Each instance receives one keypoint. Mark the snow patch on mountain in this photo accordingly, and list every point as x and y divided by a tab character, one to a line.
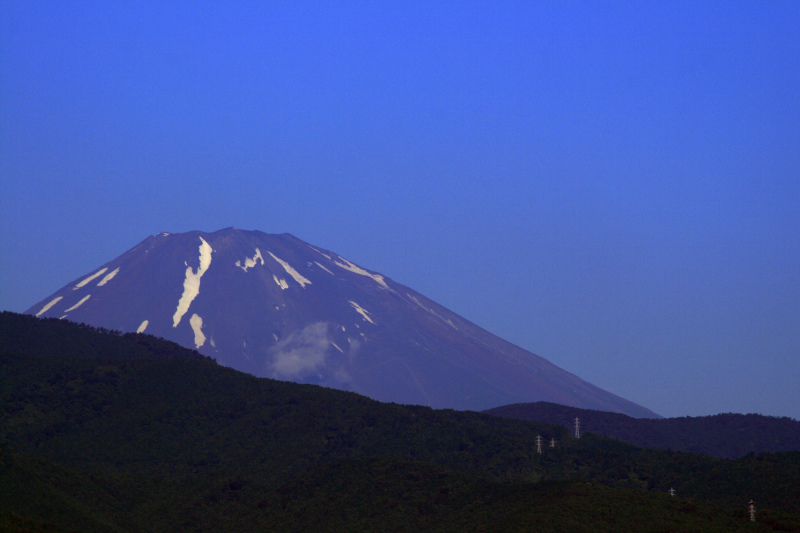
323	268
320	253
361	311
191	285
347	265
142	326
90	278
250	262
197	326
77	305
108	277
291	271
50	304
281	282
434	313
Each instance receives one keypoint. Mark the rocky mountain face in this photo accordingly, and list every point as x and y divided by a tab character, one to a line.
275	306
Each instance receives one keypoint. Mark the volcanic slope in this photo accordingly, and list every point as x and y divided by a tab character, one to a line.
275	306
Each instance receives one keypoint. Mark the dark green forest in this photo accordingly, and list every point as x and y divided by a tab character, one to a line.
728	435
109	432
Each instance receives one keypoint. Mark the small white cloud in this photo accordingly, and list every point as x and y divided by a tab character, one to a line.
302	352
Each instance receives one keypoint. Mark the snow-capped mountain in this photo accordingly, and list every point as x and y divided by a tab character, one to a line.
275	306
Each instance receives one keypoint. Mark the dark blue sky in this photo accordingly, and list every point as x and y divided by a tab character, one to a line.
613	186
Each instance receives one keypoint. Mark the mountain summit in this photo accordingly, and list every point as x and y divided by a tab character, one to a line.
275	306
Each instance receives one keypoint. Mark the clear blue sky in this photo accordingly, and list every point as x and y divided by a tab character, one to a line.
613	186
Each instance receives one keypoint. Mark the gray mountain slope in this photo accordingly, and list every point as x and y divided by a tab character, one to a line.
275	306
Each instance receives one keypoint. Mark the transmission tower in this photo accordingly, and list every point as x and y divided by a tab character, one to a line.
577	427
539	444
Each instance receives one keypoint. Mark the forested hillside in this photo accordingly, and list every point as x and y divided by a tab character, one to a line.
129	433
725	435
